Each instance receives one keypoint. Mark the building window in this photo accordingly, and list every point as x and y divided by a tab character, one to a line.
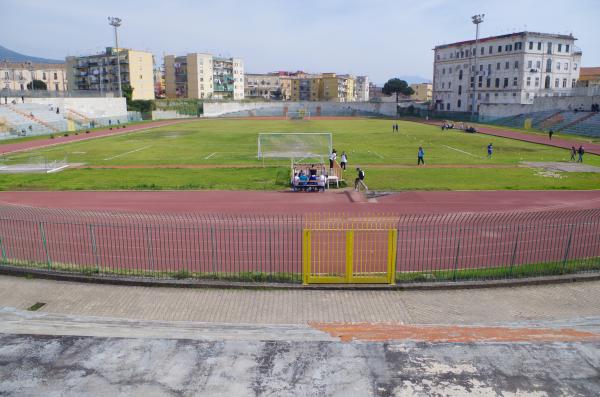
537	81
557	65
488	83
498	66
43	75
460	74
538	64
444	71
56	87
528	82
564	83
549	66
531	45
497	83
448	106
505	82
549	49
6	75
460	90
515	81
55	76
472	82
566	65
574	66
516	64
547	82
499	48
458	104
481	68
22	87
567	48
539	45
506	65
442	84
559	47
572	83
489	68
490	49
480	83
529	64
482	50
556	83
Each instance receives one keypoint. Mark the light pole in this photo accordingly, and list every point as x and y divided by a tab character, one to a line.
477	19
116	22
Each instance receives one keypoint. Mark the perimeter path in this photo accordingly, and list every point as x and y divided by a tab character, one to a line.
237	202
60	140
592	148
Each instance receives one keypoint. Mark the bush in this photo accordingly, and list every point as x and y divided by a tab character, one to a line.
52	136
65	134
87	131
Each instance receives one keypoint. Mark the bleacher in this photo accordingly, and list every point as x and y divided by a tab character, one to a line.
568	122
30	119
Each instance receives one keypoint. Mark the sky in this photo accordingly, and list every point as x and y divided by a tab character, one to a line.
378	38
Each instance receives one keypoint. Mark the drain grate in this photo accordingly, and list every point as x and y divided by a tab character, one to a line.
36	306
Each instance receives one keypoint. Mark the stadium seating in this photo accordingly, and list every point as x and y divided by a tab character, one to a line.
569	122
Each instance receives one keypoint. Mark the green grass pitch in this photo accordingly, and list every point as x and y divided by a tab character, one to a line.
221	154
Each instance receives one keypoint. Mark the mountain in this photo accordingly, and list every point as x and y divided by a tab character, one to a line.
6	54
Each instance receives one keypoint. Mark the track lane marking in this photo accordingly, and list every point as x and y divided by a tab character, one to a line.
129	152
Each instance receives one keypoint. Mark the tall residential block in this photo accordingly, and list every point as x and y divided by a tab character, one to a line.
511	68
198	75
323	87
99	73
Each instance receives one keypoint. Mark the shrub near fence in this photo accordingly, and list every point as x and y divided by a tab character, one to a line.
271	248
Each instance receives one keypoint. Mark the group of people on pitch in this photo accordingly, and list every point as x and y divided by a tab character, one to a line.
360	178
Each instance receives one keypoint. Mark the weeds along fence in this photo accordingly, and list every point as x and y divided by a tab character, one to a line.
286	248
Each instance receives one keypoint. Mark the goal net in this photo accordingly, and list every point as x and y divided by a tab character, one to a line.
294	145
301	114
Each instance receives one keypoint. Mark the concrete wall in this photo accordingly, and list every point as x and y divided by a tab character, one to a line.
217	109
540	104
168	114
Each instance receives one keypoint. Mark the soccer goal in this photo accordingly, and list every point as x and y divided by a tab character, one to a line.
302	114
295	145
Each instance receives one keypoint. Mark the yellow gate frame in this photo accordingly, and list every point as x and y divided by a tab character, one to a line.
349	278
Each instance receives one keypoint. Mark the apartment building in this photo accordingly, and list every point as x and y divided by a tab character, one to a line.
267	86
361	89
15	76
200	75
323	87
589	77
511	68
423	92
99	72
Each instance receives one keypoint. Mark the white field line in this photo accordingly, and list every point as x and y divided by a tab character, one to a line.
57	169
210	155
377	154
462	151
129	152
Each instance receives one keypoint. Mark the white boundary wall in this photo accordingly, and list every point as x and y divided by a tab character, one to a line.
218	109
540	104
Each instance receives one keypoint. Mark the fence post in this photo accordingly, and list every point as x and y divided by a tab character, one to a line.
94	247
212	248
514	255
149	245
349	254
3	251
305	256
392	254
457	254
568	248
43	233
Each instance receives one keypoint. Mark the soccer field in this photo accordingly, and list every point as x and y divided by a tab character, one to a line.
222	154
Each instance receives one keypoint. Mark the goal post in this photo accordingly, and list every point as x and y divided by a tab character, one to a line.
295	145
302	114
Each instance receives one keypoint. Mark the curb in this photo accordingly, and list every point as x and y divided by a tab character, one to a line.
194	283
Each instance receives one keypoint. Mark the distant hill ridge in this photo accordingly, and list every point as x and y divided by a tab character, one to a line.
12	56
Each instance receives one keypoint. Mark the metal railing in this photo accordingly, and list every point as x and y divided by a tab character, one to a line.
447	247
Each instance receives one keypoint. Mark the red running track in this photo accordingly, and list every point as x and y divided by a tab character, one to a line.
60	139
589	147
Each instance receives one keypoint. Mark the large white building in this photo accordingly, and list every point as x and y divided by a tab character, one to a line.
361	89
512	68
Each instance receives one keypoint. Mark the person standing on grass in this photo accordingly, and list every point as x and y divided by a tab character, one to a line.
573	153
581	152
360	179
344	161
332	158
550	133
490	150
421	156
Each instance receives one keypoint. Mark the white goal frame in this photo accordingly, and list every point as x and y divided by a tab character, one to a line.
301	145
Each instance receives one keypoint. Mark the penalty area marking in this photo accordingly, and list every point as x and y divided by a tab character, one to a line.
210	155
129	152
462	151
377	154
57	169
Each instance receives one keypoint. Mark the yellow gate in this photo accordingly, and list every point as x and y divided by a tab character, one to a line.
349	255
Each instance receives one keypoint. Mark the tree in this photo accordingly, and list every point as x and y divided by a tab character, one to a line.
127	93
397	86
37	85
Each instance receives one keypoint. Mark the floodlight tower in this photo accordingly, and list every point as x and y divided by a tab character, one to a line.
116	22
477	19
